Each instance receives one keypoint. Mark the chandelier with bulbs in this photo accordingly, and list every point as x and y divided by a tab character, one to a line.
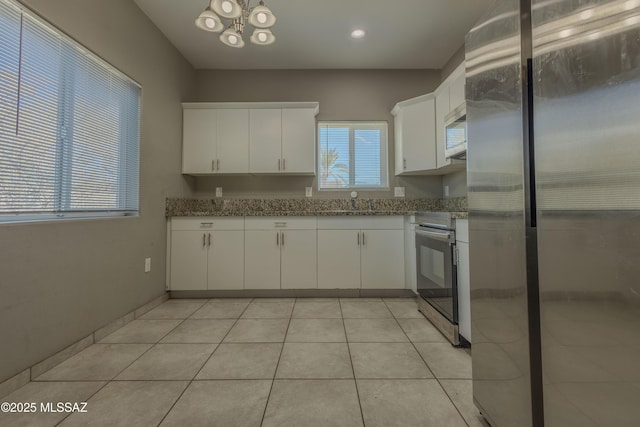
240	13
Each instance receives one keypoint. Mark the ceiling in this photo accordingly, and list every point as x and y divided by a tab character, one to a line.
315	34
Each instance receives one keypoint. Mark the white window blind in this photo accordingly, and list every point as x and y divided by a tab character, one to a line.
70	126
352	155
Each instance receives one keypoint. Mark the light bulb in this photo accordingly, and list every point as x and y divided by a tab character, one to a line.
261	17
227	6
358	34
233	39
209	22
262	37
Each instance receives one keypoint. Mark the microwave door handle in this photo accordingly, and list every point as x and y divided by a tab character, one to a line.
445	236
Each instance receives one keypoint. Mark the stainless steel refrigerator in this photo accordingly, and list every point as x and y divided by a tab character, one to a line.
553	110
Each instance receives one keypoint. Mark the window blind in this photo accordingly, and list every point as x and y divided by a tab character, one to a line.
352	155
69	131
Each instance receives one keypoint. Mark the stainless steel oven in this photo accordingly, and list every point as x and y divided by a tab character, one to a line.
436	268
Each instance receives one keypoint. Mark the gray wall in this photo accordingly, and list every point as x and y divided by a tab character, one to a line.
457	183
453	62
343	95
59	281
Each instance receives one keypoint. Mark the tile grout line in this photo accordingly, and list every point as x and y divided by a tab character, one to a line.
206	361
355	381
273	380
107	382
427	365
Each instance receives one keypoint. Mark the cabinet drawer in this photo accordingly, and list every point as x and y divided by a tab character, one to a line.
208	223
361	223
281	222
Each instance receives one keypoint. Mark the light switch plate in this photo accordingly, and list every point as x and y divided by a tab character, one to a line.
147	265
398	191
446	191
218	191
308	191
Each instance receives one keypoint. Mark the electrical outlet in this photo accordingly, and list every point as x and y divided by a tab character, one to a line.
147	265
218	191
398	191
308	191
446	191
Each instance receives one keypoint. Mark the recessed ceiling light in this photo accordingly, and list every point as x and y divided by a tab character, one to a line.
358	34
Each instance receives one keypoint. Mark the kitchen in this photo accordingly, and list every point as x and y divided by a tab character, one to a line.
67	280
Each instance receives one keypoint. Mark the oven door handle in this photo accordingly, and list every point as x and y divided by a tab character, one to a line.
445	236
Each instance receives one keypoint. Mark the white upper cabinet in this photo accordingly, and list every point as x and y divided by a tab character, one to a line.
299	140
265	140
420	137
199	141
241	138
233	141
457	88
415	130
282	141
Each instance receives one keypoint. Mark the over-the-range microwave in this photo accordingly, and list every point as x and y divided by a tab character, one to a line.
456	133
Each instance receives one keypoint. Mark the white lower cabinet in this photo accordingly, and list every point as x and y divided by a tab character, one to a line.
338	259
287	253
188	260
363	253
464	281
382	259
207	253
298	259
280	253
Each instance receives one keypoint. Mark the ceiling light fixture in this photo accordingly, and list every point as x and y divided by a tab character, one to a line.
358	34
240	13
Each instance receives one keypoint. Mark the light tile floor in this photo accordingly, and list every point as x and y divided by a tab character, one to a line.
264	362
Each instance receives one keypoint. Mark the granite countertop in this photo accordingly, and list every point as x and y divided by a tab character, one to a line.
313	207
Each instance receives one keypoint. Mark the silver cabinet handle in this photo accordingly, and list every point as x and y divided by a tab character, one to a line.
279	164
404	163
358	238
279	224
204	239
277	239
438	235
209	239
213	165
284	164
282	239
363	238
206	224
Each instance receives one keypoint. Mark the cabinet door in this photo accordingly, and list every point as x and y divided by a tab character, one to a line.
298	140
265	140
419	136
188	261
199	135
397	143
298	259
233	141
262	259
226	260
464	291
457	95
338	259
382	259
442	109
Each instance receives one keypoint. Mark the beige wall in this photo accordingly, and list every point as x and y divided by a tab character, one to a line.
59	281
343	95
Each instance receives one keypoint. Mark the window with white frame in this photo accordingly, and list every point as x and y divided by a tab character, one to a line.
352	155
69	126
